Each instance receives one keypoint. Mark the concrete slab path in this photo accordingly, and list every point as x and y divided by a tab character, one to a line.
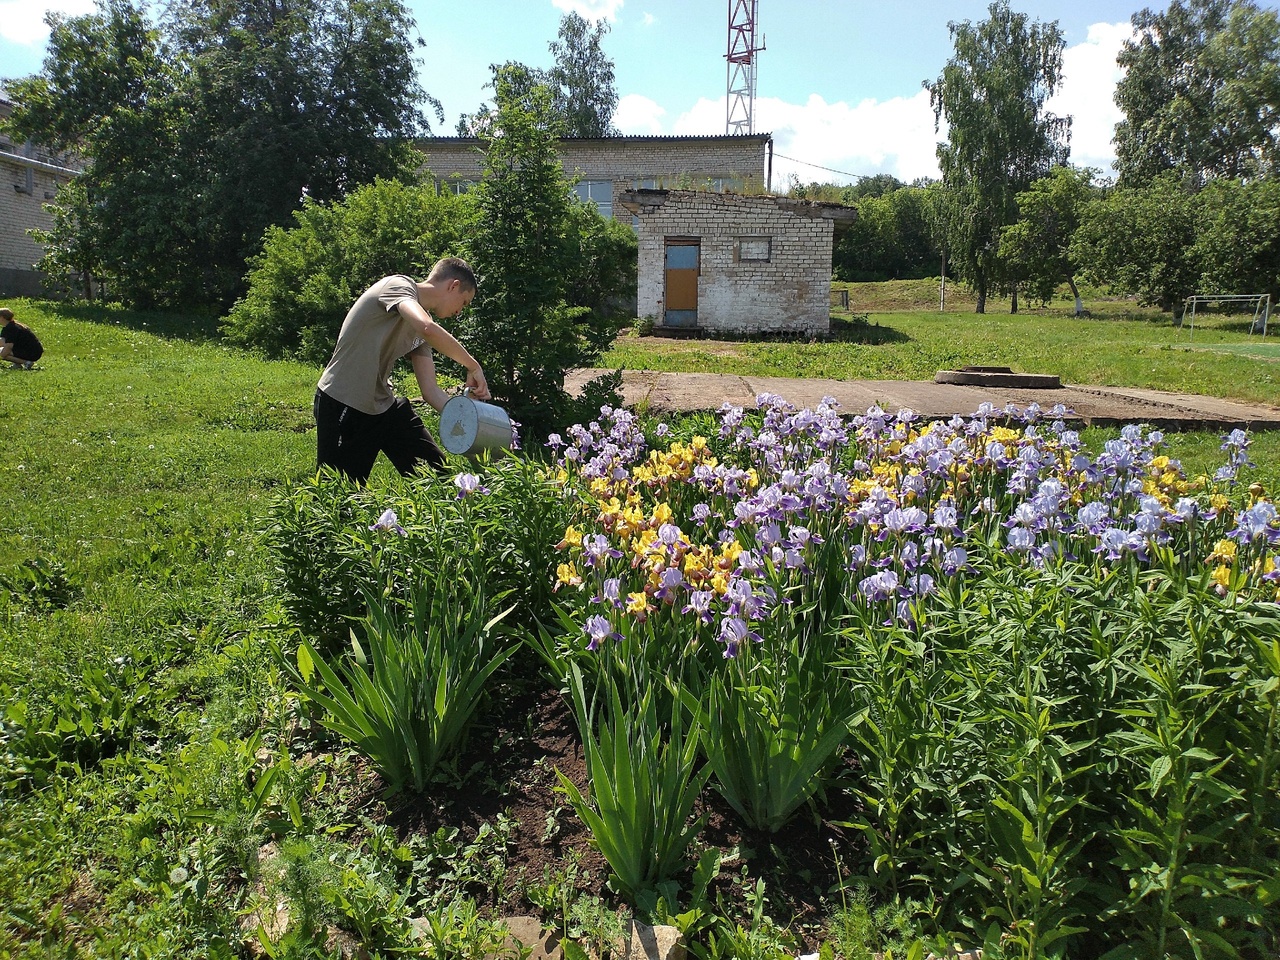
1092	406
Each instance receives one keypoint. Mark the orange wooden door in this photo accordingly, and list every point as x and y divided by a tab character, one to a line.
683	262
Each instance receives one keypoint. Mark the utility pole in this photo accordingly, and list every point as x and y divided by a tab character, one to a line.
740	87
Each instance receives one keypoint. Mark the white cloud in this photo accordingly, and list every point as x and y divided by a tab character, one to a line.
590	9
894	136
648	20
832	142
1089	77
637	115
22	22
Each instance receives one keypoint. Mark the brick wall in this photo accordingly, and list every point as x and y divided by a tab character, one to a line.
790	293
19	212
36	173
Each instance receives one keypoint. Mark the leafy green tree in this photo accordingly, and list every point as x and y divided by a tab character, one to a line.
1140	240
1238	241
521	79
580	82
1039	244
602	275
1201	93
520	325
890	240
102	95
992	94
202	131
874	186
582	79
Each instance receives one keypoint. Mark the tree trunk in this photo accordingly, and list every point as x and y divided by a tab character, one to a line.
981	287
1071	282
1013	303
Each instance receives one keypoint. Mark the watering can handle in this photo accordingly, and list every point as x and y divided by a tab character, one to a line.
466	391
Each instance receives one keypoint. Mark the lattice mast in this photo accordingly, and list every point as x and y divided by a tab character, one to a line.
741	84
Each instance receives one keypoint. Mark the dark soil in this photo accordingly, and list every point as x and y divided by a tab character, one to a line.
513	764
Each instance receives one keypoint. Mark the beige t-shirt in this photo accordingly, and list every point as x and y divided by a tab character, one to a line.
373	337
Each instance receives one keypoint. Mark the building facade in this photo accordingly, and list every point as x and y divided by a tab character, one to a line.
734	264
29	178
603	167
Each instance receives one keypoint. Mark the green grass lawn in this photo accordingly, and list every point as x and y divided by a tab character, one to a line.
1259	349
1119	346
136	462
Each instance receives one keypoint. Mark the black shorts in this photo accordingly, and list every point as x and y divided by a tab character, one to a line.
28	352
349	440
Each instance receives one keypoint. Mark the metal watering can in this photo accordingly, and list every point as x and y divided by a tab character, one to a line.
469	427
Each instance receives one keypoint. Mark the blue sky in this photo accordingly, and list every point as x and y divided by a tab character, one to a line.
838	84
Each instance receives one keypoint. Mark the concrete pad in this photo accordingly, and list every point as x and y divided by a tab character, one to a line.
1092	406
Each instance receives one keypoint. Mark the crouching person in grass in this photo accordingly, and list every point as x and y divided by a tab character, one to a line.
357	415
18	343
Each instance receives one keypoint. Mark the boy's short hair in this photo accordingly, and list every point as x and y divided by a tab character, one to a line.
454	268
6	314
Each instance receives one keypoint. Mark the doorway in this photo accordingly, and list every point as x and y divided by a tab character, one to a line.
681	270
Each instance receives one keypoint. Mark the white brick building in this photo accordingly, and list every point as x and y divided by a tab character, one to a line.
29	178
603	167
728	263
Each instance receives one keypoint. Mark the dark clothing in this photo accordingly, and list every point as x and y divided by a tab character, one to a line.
26	345
350	440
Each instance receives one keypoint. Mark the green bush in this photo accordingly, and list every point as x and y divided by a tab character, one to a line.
307	276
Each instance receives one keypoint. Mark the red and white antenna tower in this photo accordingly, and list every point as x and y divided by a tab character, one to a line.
741	85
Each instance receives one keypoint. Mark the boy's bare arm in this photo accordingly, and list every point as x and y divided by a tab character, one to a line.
424	369
438	338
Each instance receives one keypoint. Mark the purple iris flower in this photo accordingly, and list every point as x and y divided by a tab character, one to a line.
669	535
1150	518
670	582
610	591
1257	524
389	522
920	585
700	603
880	586
1188	509
1093	518
954	561
1116	542
598	628
733	632
945	517
596	550
905	520
1021	539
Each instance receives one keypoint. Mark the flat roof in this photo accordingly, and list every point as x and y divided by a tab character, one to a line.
637	138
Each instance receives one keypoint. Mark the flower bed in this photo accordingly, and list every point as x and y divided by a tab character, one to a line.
1049	678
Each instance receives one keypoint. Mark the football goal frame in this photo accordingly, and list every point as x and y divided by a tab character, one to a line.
1261	308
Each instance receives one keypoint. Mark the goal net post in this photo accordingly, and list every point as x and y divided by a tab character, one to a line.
1260	303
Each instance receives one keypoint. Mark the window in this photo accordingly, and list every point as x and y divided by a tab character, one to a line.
599	192
755	249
